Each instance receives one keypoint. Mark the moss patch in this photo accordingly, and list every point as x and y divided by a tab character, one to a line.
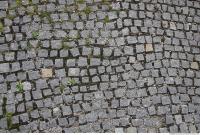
1	27
106	19
9	119
4	105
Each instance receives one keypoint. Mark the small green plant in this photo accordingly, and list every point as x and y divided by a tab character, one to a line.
19	87
9	119
80	1
18	2
47	15
71	82
44	14
1	27
87	10
62	88
106	19
35	34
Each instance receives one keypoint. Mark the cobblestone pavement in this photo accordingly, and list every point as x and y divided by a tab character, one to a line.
99	66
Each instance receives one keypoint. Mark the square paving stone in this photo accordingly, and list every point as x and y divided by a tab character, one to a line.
73	71
149	48
172	26
196	82
26	85
66	110
166	100
4	68
3	4
178	119
194	65
131	130
119	130
47	73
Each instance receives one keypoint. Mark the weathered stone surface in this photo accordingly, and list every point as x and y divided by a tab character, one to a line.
195	65
100	66
119	130
4	68
131	130
26	85
149	48
47	73
3	4
73	71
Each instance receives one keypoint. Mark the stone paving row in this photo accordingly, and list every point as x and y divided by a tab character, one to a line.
100	66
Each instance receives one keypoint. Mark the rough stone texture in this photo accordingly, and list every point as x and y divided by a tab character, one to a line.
194	65
149	47
121	66
4	68
46	73
3	4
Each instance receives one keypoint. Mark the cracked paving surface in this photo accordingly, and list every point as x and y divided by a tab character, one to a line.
100	66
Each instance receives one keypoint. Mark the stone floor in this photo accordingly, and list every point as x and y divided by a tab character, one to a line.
100	66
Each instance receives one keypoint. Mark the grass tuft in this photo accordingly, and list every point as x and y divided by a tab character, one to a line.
71	82
19	87
18	2
87	10
47	15
35	34
106	19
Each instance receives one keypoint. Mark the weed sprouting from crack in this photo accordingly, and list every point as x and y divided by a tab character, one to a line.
87	10
71	82
19	87
35	34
